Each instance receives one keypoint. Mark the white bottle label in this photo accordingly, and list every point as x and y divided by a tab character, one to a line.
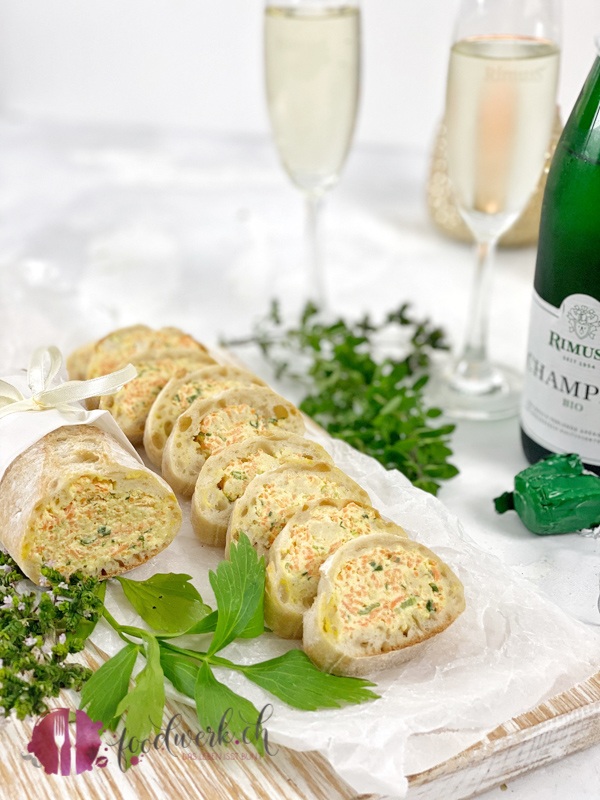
561	394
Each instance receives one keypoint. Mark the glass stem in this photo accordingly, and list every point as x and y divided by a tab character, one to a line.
473	371
316	286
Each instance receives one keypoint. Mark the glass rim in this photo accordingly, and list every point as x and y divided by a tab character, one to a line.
480	14
317	4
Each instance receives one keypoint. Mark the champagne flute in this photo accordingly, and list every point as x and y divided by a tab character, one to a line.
312	69
500	110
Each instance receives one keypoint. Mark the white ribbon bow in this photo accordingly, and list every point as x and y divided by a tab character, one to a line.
64	397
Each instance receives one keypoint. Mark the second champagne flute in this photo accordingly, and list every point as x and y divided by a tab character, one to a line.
312	69
500	109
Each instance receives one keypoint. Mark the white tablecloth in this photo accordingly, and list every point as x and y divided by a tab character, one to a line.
100	228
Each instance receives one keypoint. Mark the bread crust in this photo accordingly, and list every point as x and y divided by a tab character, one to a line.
164	410
77	362
41	477
183	457
211	509
340	658
131	405
118	348
289	593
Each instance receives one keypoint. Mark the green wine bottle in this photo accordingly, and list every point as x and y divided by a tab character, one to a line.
560	410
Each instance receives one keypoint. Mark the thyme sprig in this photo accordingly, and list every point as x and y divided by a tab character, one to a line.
359	389
39	629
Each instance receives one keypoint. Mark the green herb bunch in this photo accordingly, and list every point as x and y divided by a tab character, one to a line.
38	630
171	606
357	393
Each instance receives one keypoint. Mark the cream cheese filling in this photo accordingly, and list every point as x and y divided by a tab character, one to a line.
380	596
95	525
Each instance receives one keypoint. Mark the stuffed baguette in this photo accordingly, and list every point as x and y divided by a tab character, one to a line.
77	500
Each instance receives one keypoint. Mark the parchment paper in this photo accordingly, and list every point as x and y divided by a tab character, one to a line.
510	650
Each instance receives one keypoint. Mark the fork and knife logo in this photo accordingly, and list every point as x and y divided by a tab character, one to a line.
62	733
66	742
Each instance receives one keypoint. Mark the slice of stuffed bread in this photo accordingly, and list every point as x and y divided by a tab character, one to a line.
179	393
380	599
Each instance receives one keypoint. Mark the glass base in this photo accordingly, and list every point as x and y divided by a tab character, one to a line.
467	393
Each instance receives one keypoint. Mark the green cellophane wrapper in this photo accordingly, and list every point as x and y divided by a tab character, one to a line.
555	495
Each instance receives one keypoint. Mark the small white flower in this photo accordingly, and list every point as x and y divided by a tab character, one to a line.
30	641
62	638
7	602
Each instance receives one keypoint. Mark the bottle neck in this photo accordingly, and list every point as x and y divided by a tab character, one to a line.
583	127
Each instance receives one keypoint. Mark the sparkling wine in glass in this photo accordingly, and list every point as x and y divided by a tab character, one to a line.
312	68
500	111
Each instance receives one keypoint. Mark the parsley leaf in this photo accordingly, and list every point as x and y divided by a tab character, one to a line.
166	601
239	586
144	704
107	687
207	624
181	670
217	706
294	679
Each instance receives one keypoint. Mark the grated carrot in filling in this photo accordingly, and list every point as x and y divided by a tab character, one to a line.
275	504
310	544
97	523
189	391
139	394
387	590
238	474
229	425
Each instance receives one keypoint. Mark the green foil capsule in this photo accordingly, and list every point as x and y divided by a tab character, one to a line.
554	495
